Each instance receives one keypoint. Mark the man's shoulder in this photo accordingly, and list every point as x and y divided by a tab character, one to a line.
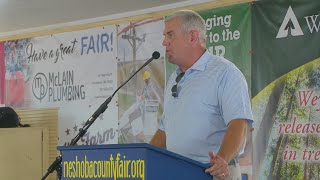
219	63
222	66
220	60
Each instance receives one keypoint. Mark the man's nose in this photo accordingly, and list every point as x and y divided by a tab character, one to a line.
164	42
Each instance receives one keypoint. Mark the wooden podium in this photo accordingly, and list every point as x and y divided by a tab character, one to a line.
128	161
24	153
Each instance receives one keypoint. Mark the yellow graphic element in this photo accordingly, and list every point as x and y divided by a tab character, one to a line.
114	168
146	75
266	91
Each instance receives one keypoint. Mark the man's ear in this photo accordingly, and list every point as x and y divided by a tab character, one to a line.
194	37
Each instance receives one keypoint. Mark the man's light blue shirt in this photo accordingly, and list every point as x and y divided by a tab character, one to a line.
211	93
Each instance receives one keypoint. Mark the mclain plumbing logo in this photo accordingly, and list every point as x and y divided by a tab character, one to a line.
40	86
290	24
57	86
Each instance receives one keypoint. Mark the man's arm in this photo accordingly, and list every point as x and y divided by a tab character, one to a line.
159	139
229	148
233	139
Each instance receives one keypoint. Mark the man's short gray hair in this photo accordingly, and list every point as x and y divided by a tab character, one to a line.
191	20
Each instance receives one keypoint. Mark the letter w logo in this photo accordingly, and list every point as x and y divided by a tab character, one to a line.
290	22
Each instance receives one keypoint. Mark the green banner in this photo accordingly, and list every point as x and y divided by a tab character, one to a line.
286	88
285	36
229	35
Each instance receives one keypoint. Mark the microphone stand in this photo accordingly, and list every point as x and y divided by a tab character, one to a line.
56	165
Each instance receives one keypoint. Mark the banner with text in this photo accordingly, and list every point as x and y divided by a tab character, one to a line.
286	83
73	71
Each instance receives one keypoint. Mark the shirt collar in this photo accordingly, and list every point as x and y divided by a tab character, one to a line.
199	65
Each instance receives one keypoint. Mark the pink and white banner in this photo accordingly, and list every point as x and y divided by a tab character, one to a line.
75	72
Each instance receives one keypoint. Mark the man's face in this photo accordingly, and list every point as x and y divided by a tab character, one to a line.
175	41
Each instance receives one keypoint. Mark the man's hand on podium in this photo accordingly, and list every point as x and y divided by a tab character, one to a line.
219	167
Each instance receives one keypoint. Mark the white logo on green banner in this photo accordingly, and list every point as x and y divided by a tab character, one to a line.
285	26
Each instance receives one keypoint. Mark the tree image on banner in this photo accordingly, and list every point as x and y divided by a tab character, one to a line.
294	144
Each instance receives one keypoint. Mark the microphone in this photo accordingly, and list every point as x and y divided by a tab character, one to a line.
155	55
56	165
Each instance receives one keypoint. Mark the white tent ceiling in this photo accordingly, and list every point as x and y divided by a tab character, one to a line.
18	15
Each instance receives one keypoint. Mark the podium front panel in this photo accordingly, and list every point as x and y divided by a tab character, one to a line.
128	161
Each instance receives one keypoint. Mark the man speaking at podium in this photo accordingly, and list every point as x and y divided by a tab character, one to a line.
206	105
